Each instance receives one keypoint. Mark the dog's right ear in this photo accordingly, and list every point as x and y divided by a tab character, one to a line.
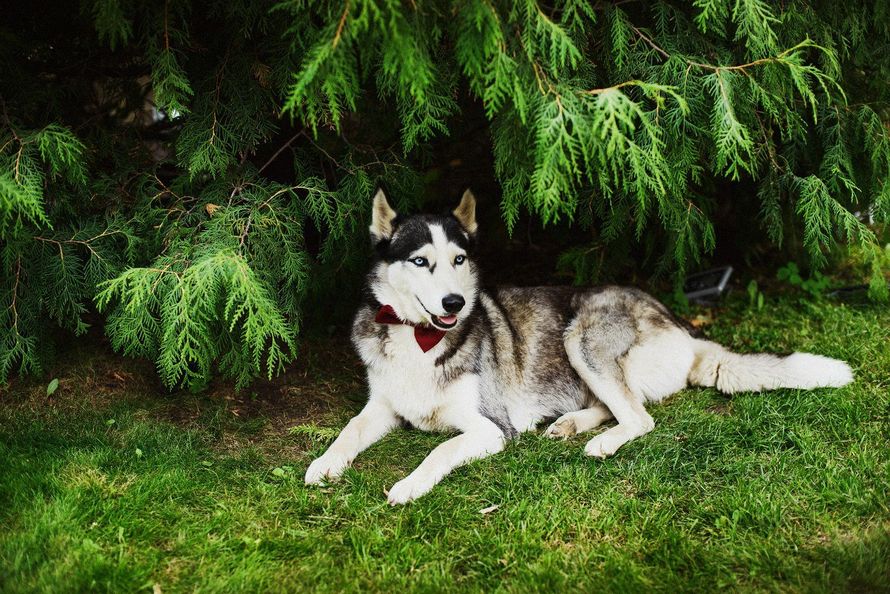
382	217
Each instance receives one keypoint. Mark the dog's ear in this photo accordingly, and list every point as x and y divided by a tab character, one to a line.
382	217
465	213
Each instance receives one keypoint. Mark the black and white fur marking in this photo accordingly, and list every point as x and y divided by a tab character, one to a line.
514	357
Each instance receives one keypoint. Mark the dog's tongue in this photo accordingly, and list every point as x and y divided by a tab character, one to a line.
448	320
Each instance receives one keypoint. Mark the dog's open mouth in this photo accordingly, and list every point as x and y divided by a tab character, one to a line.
444	322
441	322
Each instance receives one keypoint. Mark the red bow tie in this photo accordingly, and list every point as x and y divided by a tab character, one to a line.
426	336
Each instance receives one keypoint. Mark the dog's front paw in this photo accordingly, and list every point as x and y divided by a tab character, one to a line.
409	489
604	445
327	467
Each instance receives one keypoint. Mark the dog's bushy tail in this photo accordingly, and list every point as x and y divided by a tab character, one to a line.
733	372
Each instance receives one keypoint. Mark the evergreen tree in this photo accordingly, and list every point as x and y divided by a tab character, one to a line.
140	147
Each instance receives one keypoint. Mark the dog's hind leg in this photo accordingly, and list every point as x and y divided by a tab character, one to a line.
594	344
578	421
624	405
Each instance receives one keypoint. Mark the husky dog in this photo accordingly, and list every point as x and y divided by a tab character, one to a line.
444	355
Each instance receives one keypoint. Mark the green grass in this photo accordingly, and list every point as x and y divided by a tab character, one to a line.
786	491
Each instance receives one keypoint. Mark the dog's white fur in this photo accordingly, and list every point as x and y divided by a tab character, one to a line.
408	371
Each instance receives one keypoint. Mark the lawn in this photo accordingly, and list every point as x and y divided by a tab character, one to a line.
111	484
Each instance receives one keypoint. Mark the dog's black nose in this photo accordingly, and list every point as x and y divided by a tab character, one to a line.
453	303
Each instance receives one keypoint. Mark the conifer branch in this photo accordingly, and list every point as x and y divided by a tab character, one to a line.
14	297
340	25
280	150
705	66
81	242
166	29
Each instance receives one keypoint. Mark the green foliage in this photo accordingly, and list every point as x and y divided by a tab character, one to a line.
112	24
815	285
172	90
194	177
52	278
216	298
755	296
27	156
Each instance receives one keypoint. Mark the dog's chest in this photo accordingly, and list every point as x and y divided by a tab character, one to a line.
414	386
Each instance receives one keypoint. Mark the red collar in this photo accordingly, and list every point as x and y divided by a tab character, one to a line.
426	336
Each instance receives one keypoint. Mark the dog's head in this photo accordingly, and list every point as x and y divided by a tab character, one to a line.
424	267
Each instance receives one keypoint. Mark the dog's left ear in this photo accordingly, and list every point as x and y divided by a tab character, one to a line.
465	213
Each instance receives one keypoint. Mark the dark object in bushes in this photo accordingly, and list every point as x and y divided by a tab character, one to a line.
706	286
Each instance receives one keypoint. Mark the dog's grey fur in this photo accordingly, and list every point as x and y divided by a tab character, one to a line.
518	356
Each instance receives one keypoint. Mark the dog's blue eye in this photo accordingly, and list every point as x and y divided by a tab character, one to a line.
459	259
419	261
